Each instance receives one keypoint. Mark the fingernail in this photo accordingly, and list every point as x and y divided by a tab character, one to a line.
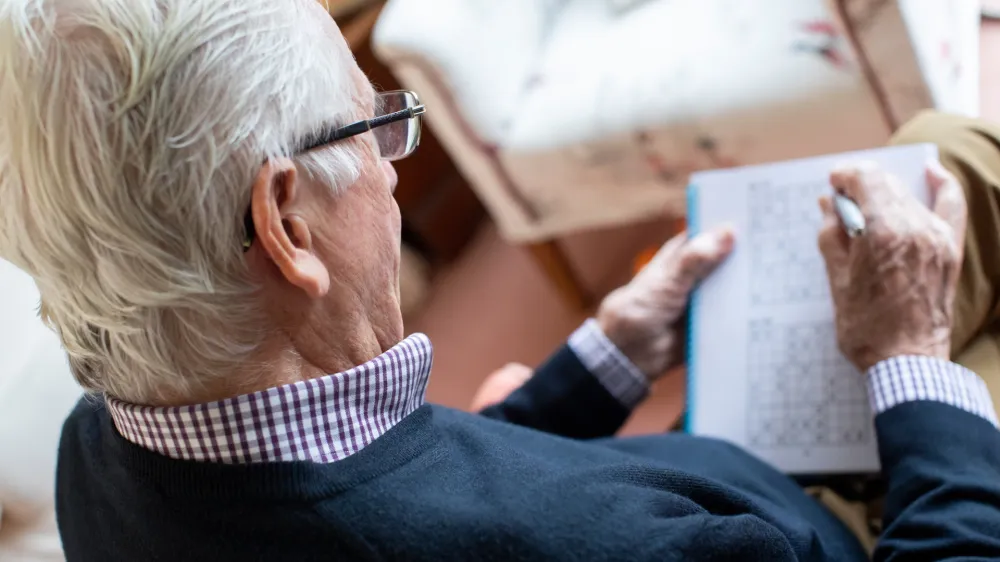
935	166
715	241
725	239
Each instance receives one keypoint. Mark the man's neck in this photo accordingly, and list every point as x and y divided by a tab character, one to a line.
284	359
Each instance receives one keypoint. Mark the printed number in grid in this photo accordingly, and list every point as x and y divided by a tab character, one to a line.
786	267
802	391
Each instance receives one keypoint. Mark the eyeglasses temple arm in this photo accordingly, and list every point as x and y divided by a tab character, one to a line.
369	124
408	113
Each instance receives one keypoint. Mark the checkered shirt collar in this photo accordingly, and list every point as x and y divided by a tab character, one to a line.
320	420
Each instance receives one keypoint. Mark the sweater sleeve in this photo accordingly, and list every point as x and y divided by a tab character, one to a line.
604	360
563	397
942	464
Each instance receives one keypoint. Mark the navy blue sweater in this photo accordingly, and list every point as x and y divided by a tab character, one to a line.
535	478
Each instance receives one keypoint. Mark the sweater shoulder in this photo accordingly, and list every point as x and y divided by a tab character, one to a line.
84	422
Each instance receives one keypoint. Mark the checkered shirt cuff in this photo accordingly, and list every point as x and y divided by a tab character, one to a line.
604	360
908	378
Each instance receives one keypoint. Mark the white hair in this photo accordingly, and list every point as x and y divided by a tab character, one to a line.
130	136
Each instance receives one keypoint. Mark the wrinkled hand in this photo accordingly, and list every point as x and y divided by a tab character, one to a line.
643	318
894	287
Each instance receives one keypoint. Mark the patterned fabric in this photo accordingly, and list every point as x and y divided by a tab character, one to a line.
330	418
320	420
909	378
602	358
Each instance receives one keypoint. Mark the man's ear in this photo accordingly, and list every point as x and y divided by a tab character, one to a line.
283	235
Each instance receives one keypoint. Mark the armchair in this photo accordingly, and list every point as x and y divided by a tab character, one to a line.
578	114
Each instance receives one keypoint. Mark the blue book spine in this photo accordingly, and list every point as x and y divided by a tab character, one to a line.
689	355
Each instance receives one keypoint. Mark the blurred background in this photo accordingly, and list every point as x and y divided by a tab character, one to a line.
557	145
560	134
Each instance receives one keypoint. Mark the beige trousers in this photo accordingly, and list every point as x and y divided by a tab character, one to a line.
970	149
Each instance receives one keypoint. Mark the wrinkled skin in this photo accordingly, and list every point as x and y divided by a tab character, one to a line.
643	318
894	286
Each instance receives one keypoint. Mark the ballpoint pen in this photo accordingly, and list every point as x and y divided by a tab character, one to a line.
850	215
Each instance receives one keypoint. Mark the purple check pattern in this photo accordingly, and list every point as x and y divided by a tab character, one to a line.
330	418
604	360
320	420
910	378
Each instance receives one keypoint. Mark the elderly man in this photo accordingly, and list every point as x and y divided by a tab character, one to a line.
200	190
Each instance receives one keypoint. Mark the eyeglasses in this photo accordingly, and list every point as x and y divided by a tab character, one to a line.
396	127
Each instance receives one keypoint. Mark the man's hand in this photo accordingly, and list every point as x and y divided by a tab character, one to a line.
894	287
499	385
643	318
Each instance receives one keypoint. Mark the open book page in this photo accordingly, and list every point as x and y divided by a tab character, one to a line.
764	370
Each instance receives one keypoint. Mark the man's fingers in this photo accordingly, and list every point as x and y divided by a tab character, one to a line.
826	206
703	253
874	190
667	250
948	199
849	180
833	240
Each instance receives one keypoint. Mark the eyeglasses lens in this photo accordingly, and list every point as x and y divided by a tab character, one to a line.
399	139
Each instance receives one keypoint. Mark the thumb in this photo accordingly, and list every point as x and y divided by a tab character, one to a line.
703	253
948	199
